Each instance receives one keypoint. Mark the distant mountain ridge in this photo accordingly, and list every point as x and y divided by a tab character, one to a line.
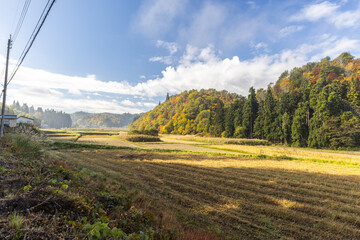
102	120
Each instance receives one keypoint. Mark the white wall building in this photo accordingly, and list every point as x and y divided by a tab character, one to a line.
23	119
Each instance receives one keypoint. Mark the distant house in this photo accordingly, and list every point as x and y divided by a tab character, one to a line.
10	120
23	119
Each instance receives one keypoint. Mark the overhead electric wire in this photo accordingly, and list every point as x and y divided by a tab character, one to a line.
21	19
17	10
33	36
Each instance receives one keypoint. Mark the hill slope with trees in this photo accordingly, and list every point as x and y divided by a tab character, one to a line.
48	117
190	112
316	105
102	120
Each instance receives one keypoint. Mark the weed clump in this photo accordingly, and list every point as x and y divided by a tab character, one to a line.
142	138
151	132
22	145
15	223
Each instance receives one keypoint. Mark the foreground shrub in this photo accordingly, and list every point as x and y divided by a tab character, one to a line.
151	132
142	138
251	142
45	198
22	145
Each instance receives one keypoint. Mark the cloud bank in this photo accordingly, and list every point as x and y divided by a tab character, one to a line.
329	12
197	68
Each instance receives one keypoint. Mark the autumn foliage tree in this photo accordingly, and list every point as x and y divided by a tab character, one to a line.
316	105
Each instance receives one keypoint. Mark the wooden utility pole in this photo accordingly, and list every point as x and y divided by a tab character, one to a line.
5	86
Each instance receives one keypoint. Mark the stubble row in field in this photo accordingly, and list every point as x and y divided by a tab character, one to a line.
236	197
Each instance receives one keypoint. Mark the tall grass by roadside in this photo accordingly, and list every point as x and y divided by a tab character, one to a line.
42	197
23	145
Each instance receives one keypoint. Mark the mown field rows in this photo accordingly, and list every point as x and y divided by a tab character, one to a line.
106	140
236	197
291	152
218	144
215	145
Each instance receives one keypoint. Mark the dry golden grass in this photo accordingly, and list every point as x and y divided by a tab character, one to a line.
182	147
236	197
214	140
62	138
106	140
59	134
294	152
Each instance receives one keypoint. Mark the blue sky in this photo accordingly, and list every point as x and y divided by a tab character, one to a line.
124	56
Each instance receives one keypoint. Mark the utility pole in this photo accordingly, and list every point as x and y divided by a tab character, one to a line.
5	86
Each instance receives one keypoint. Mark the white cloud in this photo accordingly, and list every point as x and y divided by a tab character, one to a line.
213	22
75	91
127	102
206	26
252	4
331	13
147	104
28	77
346	19
156	17
202	68
172	47
45	98
289	30
142	76
259	47
164	59
316	11
333	47
198	68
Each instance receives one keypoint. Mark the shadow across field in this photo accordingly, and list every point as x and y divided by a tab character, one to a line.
233	197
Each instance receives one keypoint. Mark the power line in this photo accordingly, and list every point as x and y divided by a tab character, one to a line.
17	9
27	46
33	36
21	19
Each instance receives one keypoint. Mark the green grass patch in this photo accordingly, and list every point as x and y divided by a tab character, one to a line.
235	141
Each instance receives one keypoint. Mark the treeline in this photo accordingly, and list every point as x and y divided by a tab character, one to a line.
102	120
316	105
48	118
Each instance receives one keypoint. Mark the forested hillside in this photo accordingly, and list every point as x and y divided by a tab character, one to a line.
48	117
316	105
102	120
190	112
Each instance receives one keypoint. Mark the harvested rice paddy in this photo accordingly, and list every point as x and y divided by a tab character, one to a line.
235	196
